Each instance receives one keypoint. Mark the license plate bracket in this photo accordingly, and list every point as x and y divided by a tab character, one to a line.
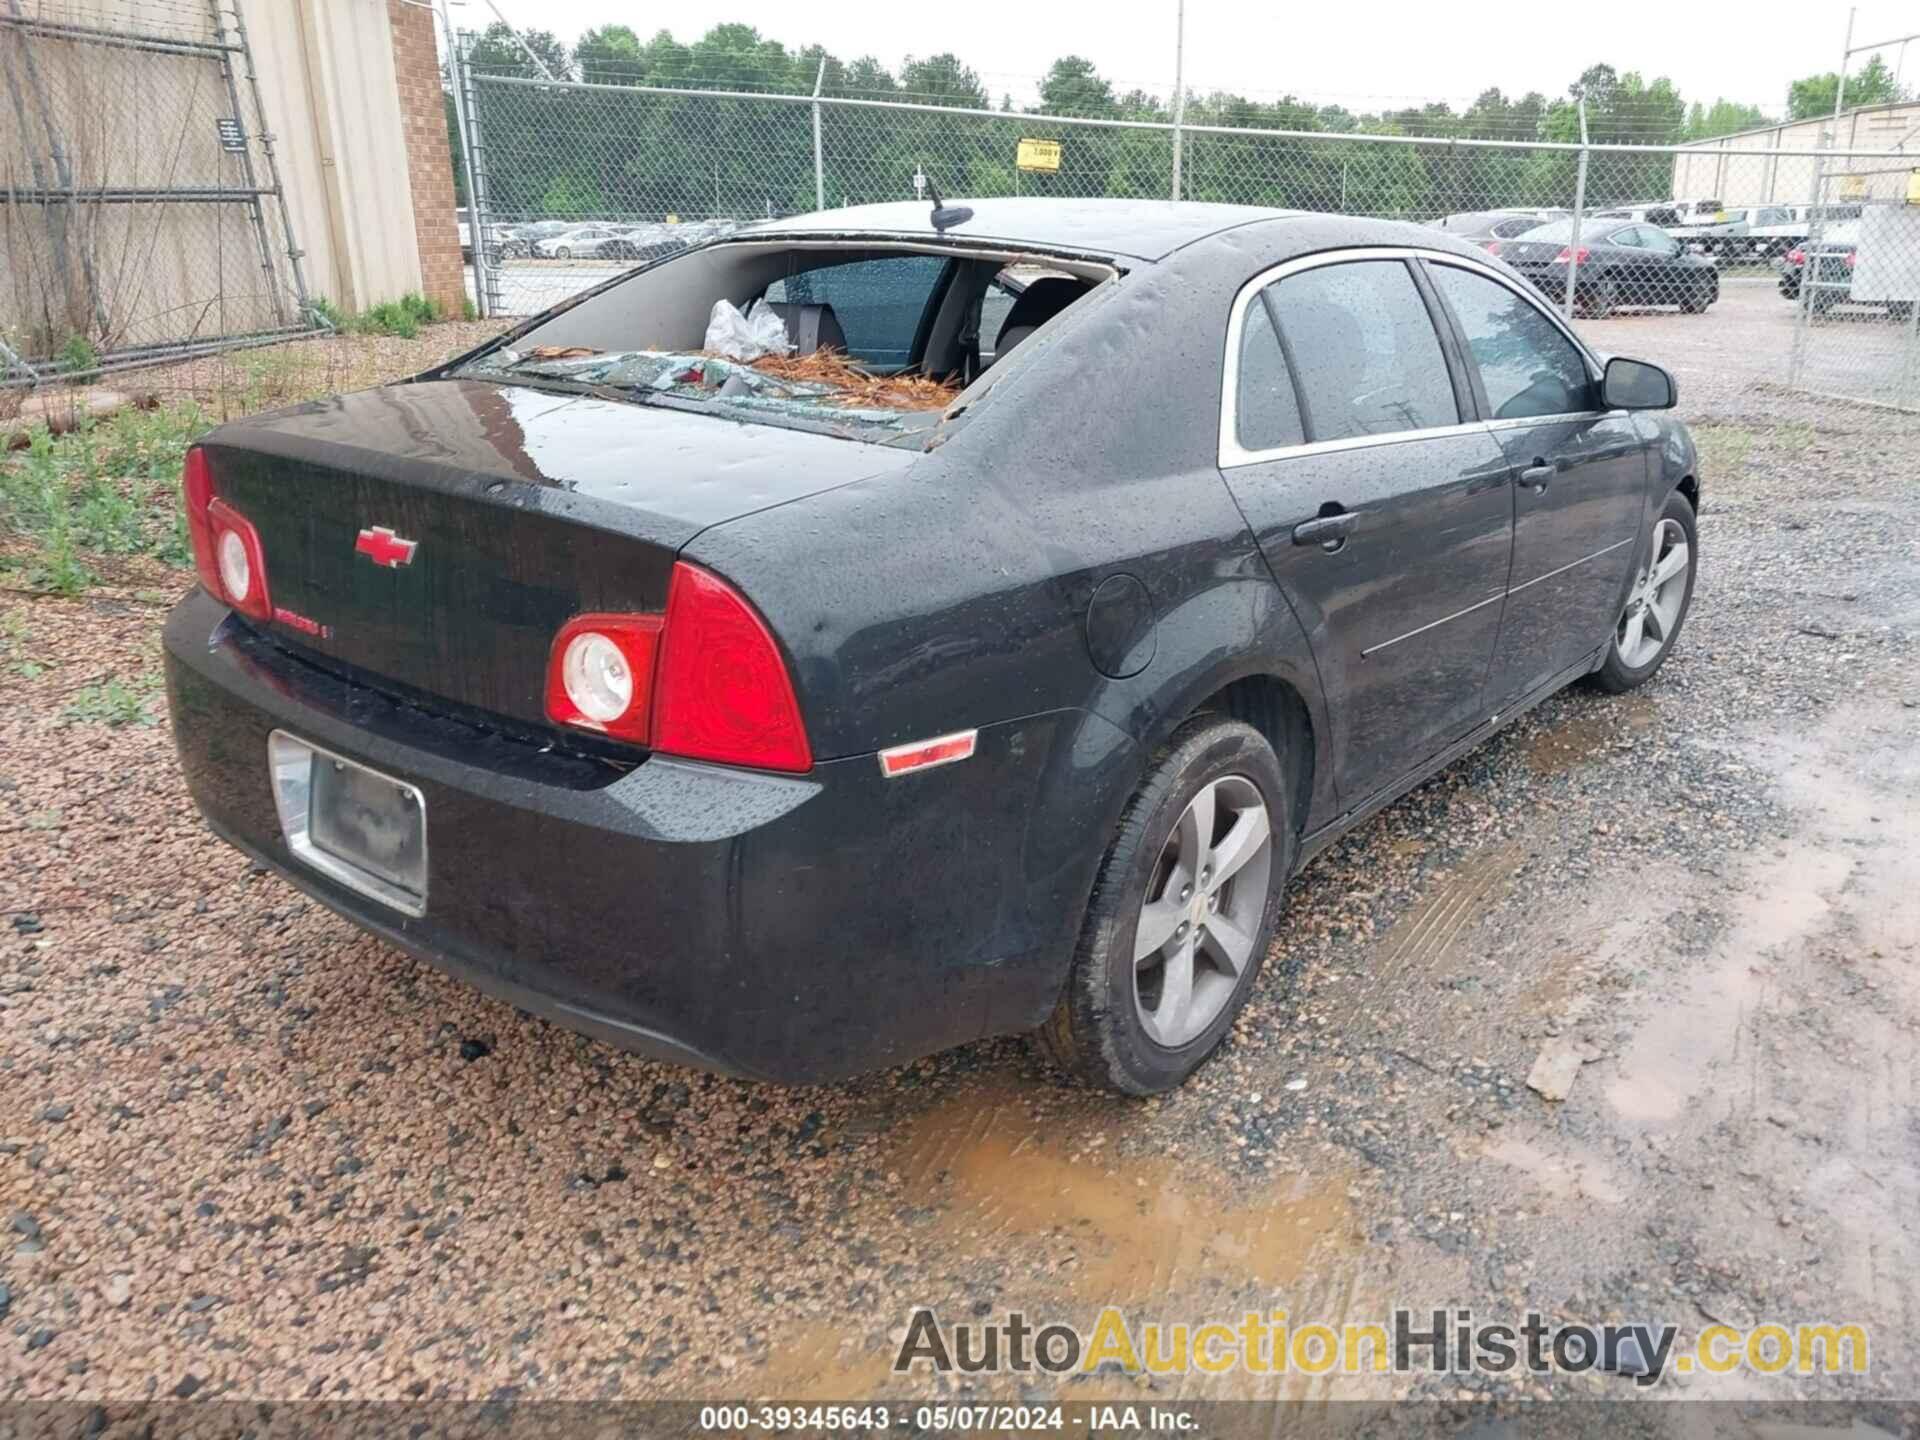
362	828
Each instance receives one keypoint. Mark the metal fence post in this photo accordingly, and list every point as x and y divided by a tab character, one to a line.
256	210
1179	89
1810	270
1579	206
456	68
819	161
294	253
465	122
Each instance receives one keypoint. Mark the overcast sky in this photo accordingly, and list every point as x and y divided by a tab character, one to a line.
1365	54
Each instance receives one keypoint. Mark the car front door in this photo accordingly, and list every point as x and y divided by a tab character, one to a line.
1383	509
1579	477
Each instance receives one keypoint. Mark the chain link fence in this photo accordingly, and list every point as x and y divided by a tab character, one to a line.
141	209
1807	257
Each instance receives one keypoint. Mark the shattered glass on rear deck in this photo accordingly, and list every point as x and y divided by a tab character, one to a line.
727	385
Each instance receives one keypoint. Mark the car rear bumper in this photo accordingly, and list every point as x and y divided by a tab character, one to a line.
793	928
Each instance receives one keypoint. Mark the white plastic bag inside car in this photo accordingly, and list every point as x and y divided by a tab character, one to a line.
759	332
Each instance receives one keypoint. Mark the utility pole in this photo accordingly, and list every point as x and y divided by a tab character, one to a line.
1179	85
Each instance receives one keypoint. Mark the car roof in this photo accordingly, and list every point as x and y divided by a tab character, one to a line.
1142	229
1475	221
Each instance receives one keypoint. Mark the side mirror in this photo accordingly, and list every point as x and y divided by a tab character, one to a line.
1637	385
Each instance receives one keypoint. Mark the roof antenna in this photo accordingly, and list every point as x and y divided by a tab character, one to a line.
945	216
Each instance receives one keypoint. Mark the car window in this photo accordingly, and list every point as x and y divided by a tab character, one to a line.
1627	235
1662	217
1527	367
879	303
1266	412
1519	225
1657	241
1369	359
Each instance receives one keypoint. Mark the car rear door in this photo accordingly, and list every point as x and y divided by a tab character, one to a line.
1382	507
1579	476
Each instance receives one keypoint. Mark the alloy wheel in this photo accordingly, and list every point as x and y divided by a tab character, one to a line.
1653	609
1205	907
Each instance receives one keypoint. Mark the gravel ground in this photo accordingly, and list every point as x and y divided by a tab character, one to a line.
250	1152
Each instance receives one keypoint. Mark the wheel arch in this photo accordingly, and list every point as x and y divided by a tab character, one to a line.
1276	708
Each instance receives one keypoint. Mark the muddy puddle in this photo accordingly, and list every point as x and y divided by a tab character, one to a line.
1573	738
1025	1187
1113	1228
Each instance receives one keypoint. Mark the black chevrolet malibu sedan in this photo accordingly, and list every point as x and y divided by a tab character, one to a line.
760	725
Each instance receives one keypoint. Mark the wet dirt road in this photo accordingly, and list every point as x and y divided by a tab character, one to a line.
250	1152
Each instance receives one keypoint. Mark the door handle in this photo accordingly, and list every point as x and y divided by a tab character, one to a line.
1329	532
1536	476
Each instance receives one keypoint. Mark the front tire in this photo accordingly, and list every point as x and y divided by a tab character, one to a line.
1657	605
1181	915
1602	299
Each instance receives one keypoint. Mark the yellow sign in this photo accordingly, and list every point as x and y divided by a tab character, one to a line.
1038	155
1913	187
1853	187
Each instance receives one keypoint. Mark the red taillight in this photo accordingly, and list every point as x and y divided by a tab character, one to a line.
722	691
1849	259
1568	255
238	561
196	486
1796	256
600	675
1493	247
707	681
227	554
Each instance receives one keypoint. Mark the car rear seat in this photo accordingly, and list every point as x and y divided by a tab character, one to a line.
810	327
1038	303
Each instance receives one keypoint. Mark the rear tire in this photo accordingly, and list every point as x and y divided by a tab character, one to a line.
1654	604
1602	298
1117	1024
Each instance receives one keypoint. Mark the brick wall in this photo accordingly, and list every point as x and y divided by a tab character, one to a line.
416	67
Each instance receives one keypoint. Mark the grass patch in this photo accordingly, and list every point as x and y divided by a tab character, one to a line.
402	317
78	355
114	703
107	488
13	644
1723	448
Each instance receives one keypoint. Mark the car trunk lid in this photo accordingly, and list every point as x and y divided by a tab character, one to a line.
440	534
1530	252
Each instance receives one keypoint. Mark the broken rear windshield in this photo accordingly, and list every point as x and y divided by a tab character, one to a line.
870	342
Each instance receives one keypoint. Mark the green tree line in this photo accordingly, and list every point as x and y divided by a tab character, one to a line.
566	151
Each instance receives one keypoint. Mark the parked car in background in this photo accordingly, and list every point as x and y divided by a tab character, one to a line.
1661	216
1619	264
1487	228
687	711
582	242
1772	230
1832	258
1689	213
1726	237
